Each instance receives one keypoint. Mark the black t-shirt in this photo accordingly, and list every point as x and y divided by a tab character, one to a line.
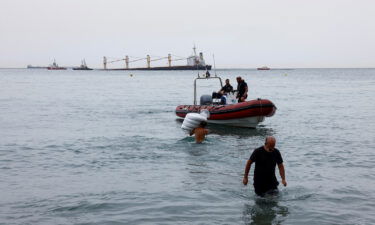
227	88
241	88
265	163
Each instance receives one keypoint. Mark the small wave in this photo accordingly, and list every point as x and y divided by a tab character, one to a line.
153	111
296	194
26	148
52	146
5	168
86	206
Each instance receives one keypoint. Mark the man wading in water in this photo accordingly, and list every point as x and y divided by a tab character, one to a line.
265	158
200	132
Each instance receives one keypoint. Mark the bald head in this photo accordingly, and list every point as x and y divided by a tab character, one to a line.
270	143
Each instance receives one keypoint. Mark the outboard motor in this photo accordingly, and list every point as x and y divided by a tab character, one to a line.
206	100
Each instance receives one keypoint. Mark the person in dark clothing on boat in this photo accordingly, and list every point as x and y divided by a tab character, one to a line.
224	90
266	158
241	89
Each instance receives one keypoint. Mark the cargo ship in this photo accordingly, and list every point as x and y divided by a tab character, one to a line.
193	62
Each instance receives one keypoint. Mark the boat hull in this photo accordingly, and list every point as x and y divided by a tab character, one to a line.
54	68
244	114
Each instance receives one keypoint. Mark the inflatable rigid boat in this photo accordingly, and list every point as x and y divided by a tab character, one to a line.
243	114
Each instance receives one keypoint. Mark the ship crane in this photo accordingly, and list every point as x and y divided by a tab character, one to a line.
147	58
193	62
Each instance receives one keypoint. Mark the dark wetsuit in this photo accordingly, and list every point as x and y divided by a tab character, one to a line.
264	173
241	88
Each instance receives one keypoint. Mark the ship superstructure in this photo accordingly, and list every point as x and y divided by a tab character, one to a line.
83	66
55	66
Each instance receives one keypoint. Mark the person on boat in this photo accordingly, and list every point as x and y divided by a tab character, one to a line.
207	73
200	132
224	90
241	89
266	158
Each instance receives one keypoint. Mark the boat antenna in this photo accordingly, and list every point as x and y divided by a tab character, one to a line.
195	59
213	56
198	70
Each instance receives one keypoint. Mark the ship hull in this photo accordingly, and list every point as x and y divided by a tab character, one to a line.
82	69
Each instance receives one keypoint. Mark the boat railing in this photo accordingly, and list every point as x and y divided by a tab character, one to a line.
204	78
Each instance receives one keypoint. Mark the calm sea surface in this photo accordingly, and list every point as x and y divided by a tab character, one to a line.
104	147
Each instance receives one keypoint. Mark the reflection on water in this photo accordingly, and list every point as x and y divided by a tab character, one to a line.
189	145
266	210
195	149
197	168
224	130
240	131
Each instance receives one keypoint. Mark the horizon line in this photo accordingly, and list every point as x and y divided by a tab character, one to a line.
223	68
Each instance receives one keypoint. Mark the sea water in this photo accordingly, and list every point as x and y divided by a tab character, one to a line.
105	147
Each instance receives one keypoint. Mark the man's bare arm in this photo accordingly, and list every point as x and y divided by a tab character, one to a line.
247	169
282	173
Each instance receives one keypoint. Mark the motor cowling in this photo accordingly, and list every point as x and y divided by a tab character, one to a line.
206	100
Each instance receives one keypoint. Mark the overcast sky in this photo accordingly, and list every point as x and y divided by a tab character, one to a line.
240	33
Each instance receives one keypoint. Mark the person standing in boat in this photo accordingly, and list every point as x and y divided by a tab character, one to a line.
200	132
266	158
224	90
241	89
